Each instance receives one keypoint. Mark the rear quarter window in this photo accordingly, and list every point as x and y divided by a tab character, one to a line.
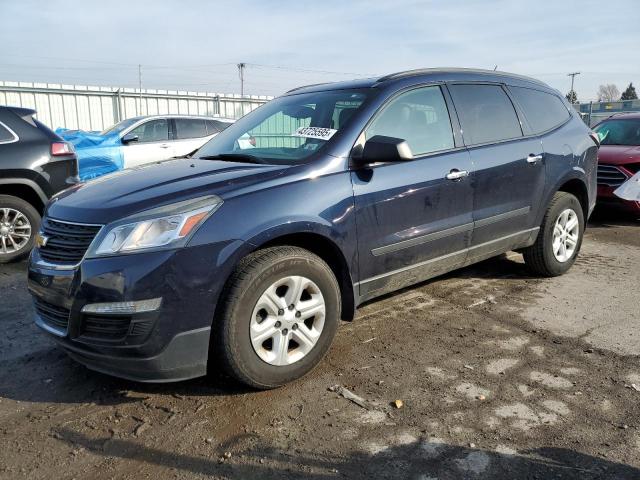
6	136
216	126
544	111
486	113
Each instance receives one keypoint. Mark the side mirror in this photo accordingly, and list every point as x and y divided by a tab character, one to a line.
385	149
130	137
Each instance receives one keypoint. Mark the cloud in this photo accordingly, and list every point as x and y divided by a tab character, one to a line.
545	39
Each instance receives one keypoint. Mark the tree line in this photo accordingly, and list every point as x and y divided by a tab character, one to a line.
608	93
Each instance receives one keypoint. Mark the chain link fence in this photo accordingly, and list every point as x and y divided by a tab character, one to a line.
594	112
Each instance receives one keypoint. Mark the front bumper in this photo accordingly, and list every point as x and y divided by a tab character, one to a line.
184	357
168	344
606	198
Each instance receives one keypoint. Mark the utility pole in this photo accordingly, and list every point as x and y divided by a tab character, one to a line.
241	67
573	76
140	89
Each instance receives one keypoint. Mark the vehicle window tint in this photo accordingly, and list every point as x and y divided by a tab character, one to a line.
420	117
342	112
486	113
5	134
619	132
211	127
152	131
543	110
190	128
221	126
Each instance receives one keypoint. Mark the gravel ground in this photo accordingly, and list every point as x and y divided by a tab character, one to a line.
501	375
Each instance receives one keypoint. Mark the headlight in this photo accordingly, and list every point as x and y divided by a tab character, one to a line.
165	227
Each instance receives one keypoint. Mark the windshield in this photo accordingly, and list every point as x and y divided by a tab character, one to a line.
288	129
619	132
119	127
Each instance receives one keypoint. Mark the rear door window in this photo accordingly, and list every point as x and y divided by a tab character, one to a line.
486	113
543	110
420	117
152	131
190	128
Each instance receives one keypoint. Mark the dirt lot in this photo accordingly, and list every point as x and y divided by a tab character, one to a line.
502	376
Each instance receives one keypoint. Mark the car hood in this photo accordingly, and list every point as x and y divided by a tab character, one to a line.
619	154
127	192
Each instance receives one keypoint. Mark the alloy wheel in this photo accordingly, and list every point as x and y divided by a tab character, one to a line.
15	230
287	320
566	232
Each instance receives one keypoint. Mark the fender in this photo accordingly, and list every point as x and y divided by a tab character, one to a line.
317	227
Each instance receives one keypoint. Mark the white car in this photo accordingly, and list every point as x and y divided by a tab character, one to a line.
159	137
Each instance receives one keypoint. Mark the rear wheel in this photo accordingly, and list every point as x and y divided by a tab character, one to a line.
559	239
19	223
280	313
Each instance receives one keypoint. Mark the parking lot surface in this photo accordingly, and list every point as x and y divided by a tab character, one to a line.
499	375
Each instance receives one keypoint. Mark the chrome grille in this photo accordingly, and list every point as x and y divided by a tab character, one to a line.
66	242
611	176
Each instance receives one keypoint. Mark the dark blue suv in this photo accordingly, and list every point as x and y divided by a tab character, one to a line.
246	256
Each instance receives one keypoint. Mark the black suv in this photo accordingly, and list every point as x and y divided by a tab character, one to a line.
35	163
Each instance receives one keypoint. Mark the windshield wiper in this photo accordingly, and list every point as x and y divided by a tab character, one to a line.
233	157
188	155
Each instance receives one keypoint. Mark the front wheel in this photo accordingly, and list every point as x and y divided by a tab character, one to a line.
280	312
559	239
19	223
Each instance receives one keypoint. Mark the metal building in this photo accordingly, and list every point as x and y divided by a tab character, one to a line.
97	108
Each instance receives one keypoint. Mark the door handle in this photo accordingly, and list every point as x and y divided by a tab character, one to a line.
534	158
164	145
456	174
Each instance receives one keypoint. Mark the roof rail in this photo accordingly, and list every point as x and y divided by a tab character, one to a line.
306	86
423	71
405	73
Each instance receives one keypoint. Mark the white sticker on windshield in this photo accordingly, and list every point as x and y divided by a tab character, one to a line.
315	132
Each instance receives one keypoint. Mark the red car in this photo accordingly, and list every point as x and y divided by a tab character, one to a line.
618	157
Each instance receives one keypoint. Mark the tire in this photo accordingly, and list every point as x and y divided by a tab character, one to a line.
540	257
12	206
236	336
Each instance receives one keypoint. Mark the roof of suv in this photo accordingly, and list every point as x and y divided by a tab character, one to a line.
425	74
19	111
177	115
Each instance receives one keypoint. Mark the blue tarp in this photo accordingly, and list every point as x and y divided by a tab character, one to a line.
97	154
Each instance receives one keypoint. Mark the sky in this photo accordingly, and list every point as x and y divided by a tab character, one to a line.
195	45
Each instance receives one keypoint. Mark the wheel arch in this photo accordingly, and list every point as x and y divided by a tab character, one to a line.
26	190
572	183
578	188
325	248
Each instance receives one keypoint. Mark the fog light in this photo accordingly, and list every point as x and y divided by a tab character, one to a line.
123	308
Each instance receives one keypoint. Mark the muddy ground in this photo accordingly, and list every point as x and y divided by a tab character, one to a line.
501	375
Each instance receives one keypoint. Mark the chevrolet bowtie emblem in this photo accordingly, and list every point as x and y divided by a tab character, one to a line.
41	240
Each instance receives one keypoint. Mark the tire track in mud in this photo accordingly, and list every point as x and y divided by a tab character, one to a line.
486	394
